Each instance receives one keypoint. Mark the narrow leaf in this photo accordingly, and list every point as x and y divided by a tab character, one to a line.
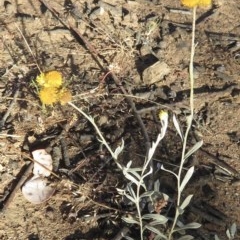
193	149
192	225
233	229
146	194
157	185
129	164
177	126
134	173
186	178
186	202
130	220
152	150
131	178
148	173
216	237
134	169
155	223
155	230
131	191
166	170
228	234
119	149
189	120
130	198
160	218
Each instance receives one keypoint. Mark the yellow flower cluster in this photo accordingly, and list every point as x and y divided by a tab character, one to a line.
196	3
51	90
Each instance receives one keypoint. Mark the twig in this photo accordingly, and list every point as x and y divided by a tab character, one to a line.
29	49
179	10
65	153
6	115
21	181
4	135
135	112
214	159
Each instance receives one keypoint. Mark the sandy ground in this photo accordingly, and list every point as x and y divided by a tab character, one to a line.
146	44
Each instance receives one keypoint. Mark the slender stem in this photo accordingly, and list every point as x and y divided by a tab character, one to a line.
90	119
189	122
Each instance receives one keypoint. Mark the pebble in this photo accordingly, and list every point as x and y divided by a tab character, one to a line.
155	73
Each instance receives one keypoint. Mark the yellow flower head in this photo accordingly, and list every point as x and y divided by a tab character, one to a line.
50	79
163	115
196	3
64	96
48	95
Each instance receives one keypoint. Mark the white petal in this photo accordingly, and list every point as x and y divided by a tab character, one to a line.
36	190
45	159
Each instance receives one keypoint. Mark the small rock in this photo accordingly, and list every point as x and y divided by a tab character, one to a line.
155	73
103	120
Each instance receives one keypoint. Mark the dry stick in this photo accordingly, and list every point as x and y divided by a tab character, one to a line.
216	160
2	122
65	152
21	181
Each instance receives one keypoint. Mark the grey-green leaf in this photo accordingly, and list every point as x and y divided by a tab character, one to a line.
216	237
119	149
146	194
155	230
130	220
160	218
177	126
186	202
193	149
192	225
233	229
130	198
186	178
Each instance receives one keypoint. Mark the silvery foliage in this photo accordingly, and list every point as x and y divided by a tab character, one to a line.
136	176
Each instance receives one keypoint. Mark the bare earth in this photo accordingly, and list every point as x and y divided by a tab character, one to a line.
146	44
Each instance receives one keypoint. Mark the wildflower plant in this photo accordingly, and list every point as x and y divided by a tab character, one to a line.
137	177
136	190
182	178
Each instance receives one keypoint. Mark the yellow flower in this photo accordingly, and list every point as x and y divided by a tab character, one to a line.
48	95
64	96
163	115
196	3
51	90
50	79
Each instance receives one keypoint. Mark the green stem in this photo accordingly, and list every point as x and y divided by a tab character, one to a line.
189	123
